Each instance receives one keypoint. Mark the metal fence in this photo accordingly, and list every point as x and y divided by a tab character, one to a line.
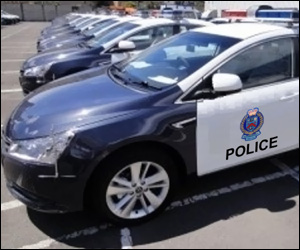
39	12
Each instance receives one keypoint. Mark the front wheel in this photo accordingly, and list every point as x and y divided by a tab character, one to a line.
134	187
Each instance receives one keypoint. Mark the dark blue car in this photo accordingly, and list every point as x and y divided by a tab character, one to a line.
121	139
98	51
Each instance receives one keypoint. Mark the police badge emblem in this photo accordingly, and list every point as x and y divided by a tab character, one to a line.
252	124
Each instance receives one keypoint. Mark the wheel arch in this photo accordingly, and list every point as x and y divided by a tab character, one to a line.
141	145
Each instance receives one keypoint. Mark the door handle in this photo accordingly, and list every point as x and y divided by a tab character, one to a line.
289	97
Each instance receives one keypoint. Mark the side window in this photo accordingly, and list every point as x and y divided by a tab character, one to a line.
205	51
266	63
146	38
190	15
163	33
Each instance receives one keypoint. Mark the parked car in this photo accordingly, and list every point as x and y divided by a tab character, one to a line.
121	141
121	42
70	41
7	18
72	28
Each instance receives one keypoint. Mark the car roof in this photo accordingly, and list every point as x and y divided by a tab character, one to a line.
153	22
162	21
197	22
240	30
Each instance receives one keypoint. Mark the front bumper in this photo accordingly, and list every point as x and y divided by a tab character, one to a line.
34	202
38	187
31	83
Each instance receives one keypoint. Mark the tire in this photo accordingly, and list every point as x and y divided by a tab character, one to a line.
157	162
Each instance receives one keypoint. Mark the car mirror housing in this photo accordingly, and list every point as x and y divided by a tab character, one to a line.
226	83
124	46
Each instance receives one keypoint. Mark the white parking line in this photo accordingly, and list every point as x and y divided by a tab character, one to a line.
126	239
19	53
15	33
228	190
11	44
17	47
10	205
7	91
41	245
12	72
82	233
286	168
12	60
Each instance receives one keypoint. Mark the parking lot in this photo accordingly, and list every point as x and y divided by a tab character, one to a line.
252	206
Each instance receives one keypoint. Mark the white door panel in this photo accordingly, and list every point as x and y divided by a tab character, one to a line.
219	133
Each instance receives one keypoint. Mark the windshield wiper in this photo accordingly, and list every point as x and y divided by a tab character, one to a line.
117	73
145	84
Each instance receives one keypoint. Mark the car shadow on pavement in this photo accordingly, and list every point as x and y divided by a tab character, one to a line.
274	196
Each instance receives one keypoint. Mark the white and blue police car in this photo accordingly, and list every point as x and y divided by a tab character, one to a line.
122	137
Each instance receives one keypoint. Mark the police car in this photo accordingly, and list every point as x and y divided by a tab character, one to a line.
7	18
81	25
114	44
69	41
122	138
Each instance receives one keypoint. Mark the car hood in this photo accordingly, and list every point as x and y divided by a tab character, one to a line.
61	39
73	41
72	102
53	56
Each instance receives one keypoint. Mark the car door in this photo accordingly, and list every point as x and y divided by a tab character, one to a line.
261	120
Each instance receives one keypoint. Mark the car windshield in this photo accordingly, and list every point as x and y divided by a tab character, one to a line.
110	35
175	59
100	26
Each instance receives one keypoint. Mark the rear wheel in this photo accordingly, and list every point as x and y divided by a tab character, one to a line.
133	188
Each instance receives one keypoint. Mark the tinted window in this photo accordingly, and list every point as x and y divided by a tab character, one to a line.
263	64
190	15
146	38
100	26
111	34
177	58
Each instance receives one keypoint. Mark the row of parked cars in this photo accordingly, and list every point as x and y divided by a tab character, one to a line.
7	18
118	135
80	42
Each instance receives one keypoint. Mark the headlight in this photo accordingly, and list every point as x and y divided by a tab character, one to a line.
42	150
39	71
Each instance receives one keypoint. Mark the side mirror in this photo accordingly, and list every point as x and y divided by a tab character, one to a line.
125	46
226	83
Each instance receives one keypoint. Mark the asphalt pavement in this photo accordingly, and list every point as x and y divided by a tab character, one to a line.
252	206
